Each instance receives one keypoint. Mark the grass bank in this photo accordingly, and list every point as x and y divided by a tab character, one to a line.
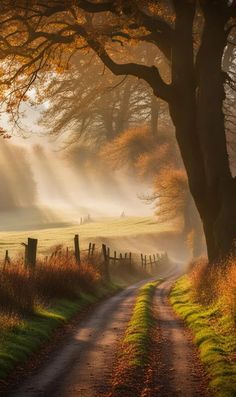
134	349
33	303
19	341
205	300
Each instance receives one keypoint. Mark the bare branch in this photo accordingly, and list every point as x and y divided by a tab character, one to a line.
148	73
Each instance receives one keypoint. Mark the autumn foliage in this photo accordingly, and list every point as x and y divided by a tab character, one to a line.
126	149
222	281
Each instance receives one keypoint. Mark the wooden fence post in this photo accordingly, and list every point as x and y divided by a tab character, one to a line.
130	261
7	260
130	258
114	257
106	262
142	264
89	249
93	249
31	253
77	250
151	263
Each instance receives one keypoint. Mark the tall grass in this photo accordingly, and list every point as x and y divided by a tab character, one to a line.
215	284
22	290
134	353
205	299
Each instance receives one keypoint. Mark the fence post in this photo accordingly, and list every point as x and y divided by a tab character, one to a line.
106	262
30	253
77	250
89	249
114	257
93	249
150	260
145	262
142	260
108	255
7	260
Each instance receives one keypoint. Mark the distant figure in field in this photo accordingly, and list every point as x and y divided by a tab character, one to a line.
86	219
122	215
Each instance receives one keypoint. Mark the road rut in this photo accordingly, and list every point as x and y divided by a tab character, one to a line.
83	365
176	370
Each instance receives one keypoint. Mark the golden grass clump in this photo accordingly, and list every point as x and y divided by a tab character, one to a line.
215	283
9	321
58	277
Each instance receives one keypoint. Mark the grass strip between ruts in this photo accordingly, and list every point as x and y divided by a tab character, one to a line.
134	351
17	344
214	334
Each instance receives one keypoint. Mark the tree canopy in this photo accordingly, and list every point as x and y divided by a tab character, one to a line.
40	37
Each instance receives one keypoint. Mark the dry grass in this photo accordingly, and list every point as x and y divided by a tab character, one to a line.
98	231
21	290
215	283
205	299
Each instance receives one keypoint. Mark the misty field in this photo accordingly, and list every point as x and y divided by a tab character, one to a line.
100	230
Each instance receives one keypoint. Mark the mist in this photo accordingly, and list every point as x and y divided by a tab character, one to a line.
42	186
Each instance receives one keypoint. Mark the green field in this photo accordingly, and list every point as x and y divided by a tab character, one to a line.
96	231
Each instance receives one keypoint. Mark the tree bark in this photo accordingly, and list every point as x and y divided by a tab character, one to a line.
196	110
193	224
154	115
219	219
121	122
195	99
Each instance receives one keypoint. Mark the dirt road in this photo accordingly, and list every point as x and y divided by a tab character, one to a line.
82	367
176	368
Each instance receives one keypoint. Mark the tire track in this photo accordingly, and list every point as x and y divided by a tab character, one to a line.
83	366
177	371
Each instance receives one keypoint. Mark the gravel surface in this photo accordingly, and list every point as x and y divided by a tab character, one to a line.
83	365
176	370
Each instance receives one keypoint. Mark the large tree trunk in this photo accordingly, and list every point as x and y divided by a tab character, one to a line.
154	115
220	218
122	119
196	110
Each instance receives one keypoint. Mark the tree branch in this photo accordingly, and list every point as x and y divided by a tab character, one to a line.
148	73
161	31
96	7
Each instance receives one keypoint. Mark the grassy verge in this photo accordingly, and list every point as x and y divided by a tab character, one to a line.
135	346
214	332
18	342
34	302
